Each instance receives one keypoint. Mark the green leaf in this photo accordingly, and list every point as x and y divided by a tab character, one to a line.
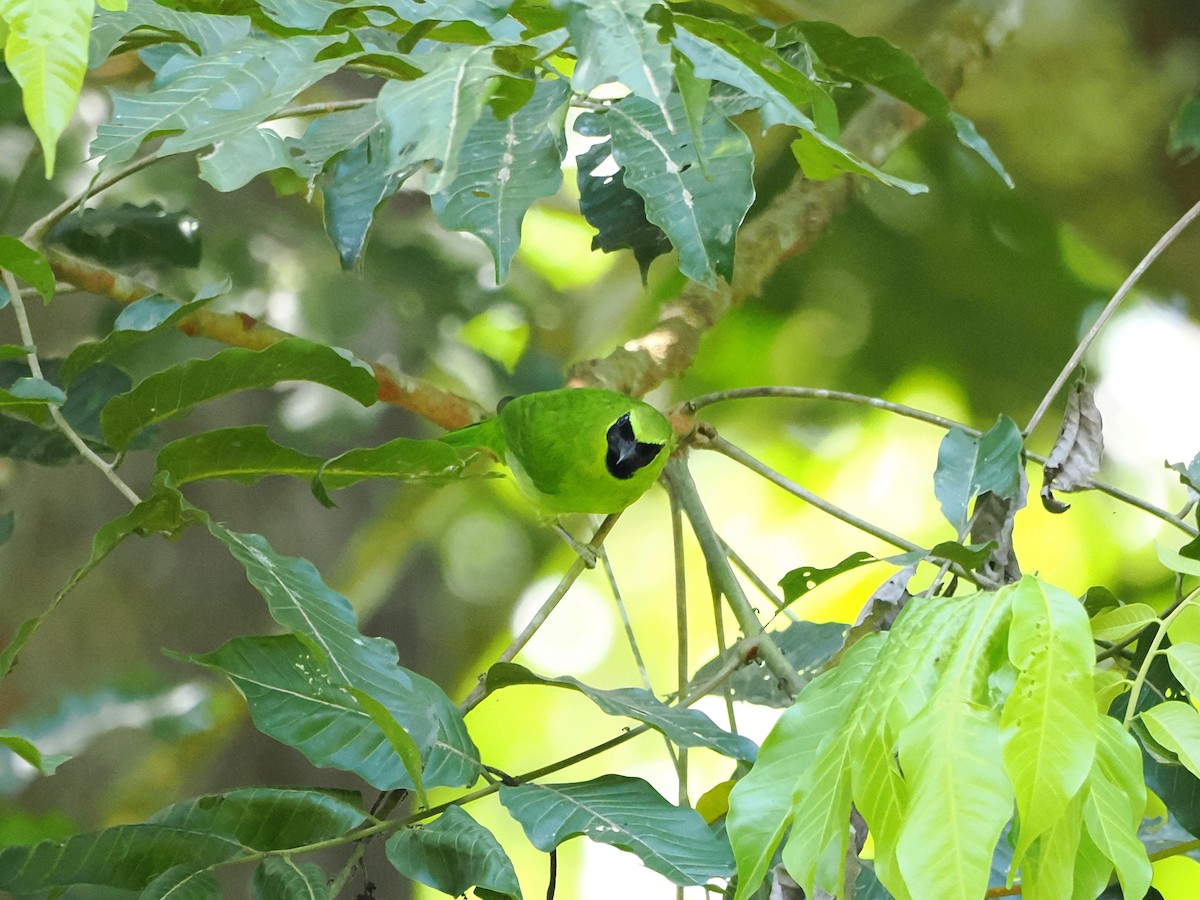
799	582
1185	664
626	813
214	97
969	466
402	743
31	398
27	264
205	34
138	324
46	52
121	235
504	166
403	459
161	512
1048	869
89	394
1119	622
699	212
1183	140
29	752
1176	561
300	601
725	53
295	698
353	186
283	877
181	387
453	854
242	453
183	883
874	61
760	805
1113	807
1049	719
614	41
1176	725
427	119
685	727
616	211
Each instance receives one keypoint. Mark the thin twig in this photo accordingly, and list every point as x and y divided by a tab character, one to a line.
518	643
680	480
681	633
1162	244
626	623
35	368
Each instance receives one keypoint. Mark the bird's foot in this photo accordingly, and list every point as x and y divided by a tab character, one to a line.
586	552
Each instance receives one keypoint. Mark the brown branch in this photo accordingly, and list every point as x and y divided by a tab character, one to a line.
798	215
236	329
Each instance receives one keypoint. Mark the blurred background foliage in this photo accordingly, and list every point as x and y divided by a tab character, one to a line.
965	301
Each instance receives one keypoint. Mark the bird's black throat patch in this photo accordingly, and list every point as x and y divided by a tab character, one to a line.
626	454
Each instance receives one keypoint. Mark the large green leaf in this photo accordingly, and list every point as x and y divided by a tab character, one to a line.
242	453
427	119
1048	869
1049	719
968	466
453	854
404	459
205	34
760	805
504	166
873	61
300	601
185	838
214	97
626	813
1176	725
724	53
1185	664
295	699
615	42
280	877
181	387
699	204
1113	808
46	52
685	727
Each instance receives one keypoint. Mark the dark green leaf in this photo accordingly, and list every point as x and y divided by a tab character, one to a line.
685	727
28	265
1183	140
969	557
300	601
31	398
215	97
504	166
21	439
283	878
799	582
400	458
453	854
968	466
183	883
626	813
617	212
181	387
353	186
127	234
699	208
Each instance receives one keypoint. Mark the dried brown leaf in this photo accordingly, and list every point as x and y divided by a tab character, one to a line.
1076	454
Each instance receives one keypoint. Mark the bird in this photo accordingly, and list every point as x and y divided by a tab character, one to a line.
575	450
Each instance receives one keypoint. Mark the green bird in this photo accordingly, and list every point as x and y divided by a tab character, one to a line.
575	450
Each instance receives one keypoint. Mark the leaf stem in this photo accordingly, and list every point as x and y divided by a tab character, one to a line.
1162	244
1151	652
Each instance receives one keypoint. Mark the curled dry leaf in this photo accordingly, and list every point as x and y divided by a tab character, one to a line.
993	521
1076	454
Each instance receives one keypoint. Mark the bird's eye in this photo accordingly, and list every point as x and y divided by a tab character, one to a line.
626	454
